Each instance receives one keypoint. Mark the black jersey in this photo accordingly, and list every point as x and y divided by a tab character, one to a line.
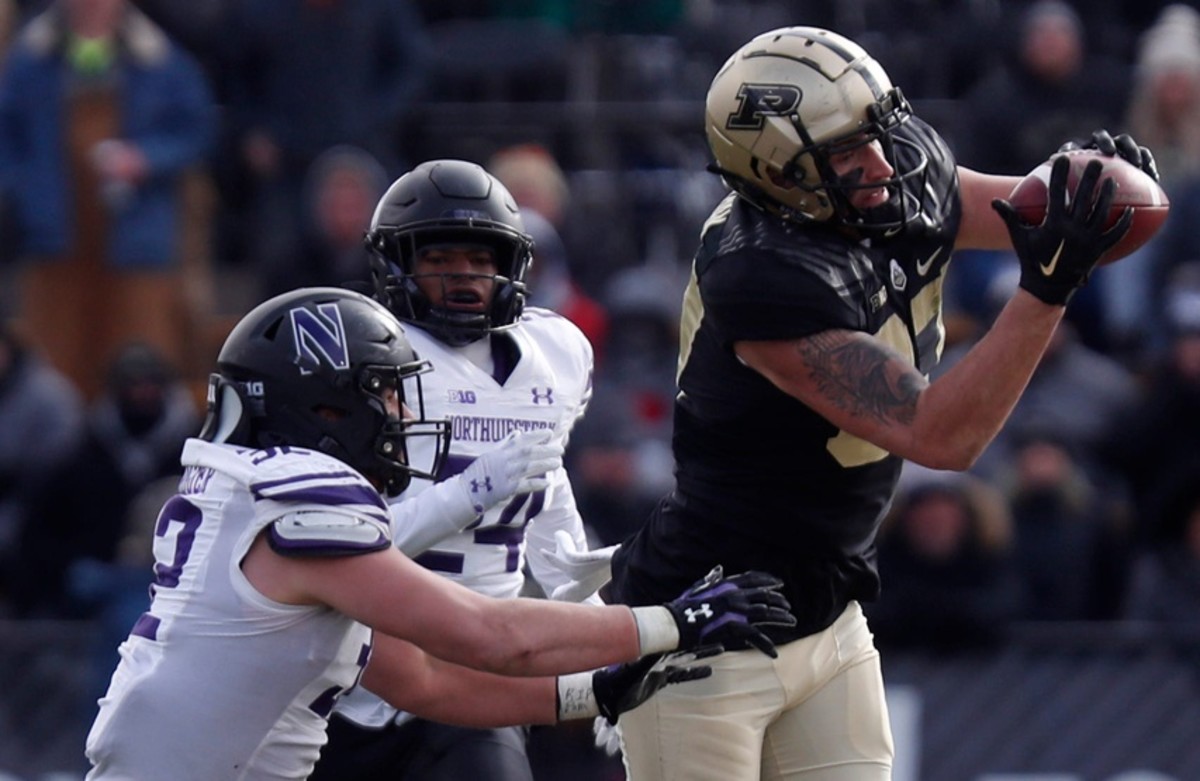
762	481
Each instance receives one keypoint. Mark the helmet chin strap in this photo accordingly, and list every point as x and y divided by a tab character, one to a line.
455	326
902	212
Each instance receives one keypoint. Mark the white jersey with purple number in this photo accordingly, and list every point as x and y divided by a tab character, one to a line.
549	386
216	681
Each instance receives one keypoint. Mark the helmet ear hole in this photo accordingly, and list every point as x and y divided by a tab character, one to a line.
329	413
781	179
226	420
375	240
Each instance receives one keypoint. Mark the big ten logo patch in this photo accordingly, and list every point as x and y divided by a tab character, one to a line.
253	388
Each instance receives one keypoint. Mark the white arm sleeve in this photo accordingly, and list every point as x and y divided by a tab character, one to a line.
560	513
422	521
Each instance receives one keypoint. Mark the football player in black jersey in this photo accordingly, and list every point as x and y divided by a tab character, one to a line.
810	324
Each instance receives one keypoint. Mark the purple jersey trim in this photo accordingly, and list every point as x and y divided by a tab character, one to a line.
267	484
510	536
441	562
504	363
332	495
146	626
323	493
454	465
323	705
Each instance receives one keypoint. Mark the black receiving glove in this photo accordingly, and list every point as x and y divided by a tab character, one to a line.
623	687
1058	256
726	612
1122	146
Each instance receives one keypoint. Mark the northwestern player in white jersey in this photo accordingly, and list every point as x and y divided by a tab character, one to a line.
450	258
275	561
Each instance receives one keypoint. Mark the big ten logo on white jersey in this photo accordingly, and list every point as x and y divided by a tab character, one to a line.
480	419
545	389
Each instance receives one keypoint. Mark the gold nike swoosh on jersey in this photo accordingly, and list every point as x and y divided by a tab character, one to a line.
923	268
1048	268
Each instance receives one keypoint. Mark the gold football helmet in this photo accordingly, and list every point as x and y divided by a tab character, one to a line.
783	102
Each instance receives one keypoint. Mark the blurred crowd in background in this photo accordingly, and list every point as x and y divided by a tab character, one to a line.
164	166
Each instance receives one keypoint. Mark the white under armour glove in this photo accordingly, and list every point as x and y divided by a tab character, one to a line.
587	569
607	738
520	464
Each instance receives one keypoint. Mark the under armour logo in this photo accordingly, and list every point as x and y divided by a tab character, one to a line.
547	397
484	485
693	614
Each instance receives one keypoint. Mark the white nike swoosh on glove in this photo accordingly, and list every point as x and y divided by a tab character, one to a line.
1048	268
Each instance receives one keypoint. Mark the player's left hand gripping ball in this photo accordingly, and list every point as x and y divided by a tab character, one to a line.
730	611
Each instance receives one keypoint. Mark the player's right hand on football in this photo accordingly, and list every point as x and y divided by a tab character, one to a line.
1058	256
520	464
728	611
1123	146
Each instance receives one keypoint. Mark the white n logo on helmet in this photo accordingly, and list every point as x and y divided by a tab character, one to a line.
320	337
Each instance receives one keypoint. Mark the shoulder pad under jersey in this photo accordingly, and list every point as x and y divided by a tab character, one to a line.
327	533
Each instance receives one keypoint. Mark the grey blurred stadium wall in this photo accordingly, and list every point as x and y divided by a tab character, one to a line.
1073	702
1060	702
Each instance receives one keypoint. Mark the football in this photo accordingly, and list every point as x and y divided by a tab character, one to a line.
1135	189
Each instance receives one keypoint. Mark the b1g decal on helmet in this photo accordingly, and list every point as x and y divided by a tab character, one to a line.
466	214
757	101
320	337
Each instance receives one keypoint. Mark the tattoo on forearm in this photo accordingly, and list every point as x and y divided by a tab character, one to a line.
862	378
